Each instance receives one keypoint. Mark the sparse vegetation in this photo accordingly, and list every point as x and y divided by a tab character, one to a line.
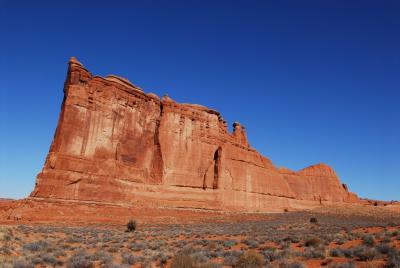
286	240
250	259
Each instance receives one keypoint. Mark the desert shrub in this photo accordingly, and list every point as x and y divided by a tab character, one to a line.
102	256
128	258
209	265
22	263
393	261
80	259
230	260
250	259
251	243
384	248
287	264
292	239
348	253
187	250
336	252
35	246
314	253
219	252
75	239
163	259
202	242
49	259
270	255
368	240
285	244
200	256
342	265
59	253
182	260
386	239
296	265
280	254
313	242
231	257
340	241
137	246
37	260
131	226
229	243
313	220
365	253
113	249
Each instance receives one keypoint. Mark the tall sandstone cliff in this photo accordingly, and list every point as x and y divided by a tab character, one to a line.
116	144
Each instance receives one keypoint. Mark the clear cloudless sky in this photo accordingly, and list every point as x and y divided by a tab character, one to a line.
312	81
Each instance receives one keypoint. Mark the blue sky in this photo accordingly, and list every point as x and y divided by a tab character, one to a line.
312	81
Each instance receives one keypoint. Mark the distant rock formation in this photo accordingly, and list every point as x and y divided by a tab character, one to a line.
116	144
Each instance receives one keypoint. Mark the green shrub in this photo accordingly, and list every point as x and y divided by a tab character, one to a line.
368	240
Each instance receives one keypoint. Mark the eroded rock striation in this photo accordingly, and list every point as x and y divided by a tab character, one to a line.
116	144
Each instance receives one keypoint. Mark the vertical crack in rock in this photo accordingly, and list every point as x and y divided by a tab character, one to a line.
116	151
217	167
86	131
157	165
205	178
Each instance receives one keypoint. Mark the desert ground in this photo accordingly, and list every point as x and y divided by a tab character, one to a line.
331	236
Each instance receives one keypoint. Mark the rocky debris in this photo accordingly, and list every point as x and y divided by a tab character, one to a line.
116	144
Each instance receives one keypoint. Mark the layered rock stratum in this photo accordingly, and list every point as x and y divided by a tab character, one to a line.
115	144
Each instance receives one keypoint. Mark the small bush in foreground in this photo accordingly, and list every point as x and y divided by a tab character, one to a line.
183	261
336	252
384	248
393	261
287	264
368	240
128	258
342	265
365	253
250	259
131	226
22	263
80	260
313	242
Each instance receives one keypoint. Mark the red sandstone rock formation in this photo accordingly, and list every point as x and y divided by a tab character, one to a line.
116	144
